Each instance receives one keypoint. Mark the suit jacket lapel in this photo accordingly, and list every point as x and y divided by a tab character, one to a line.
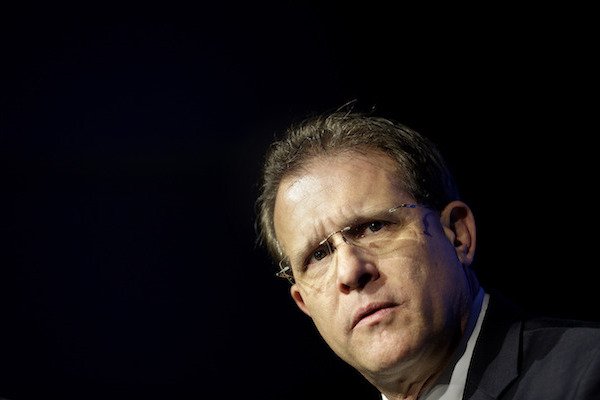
495	358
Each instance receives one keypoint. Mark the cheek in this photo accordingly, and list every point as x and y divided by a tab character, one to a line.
436	280
424	268
437	253
323	311
320	307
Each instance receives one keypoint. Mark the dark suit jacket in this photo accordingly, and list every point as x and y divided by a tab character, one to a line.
516	357
519	357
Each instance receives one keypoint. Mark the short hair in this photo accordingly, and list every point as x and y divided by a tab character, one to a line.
421	169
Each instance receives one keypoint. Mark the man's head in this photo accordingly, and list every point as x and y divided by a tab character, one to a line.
420	168
367	216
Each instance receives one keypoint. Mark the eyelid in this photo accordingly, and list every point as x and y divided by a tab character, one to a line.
359	224
361	229
307	259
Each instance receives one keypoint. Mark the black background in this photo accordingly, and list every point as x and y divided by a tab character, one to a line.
130	146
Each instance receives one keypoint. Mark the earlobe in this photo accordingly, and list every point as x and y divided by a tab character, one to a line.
459	225
297	296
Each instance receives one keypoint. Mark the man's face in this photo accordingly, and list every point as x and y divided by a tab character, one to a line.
383	314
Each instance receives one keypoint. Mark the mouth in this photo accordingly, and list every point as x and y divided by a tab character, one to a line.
371	313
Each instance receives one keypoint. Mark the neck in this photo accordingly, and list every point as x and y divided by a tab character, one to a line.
421	374
403	390
411	393
440	360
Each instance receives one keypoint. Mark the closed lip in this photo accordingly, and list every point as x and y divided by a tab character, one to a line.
368	310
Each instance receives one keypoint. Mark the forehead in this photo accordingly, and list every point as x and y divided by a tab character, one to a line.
331	190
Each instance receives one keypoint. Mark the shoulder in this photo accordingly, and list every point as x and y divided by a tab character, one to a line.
544	357
561	356
540	341
557	326
554	338
561	339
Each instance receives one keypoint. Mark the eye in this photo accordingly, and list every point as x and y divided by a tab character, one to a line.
317	255
375	226
320	253
369	228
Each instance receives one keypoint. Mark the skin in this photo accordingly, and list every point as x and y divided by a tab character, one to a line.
421	294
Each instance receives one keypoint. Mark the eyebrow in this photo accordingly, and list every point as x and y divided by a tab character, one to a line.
299	255
313	242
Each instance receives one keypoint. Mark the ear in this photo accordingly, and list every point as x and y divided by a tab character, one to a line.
459	226
297	296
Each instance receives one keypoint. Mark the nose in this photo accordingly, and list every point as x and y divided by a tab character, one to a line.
355	268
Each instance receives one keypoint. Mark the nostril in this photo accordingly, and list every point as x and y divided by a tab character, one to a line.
364	279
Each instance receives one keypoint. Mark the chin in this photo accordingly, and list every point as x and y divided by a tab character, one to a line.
380	358
388	352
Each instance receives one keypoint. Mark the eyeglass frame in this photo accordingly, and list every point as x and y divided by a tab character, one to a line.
283	269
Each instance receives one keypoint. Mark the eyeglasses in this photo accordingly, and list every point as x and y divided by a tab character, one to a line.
377	234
